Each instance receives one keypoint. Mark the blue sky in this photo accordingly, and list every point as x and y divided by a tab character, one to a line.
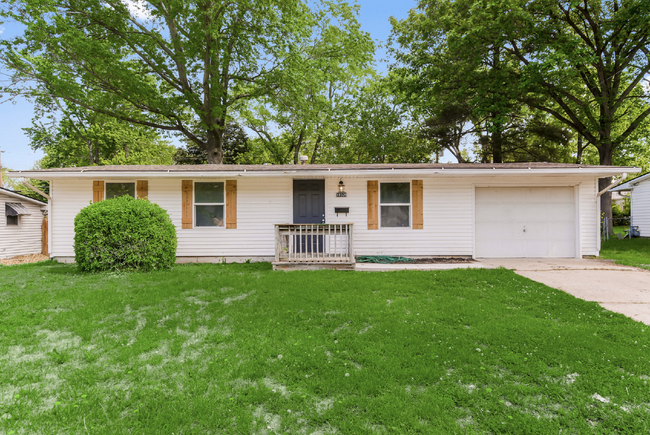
374	17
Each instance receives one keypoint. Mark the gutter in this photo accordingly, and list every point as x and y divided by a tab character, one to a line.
612	185
447	172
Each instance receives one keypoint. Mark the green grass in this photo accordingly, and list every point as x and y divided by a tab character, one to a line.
240	349
630	252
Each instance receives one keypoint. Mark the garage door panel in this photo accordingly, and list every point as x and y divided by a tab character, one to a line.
563	212
562	248
546	213
536	230
533	212
564	196
536	249
516	247
563	233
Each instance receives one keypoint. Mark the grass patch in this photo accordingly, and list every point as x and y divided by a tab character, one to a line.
630	252
243	349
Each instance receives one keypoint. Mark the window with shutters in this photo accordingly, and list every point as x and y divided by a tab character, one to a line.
394	204
113	190
209	204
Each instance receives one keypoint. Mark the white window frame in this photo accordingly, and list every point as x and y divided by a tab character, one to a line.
194	204
135	186
410	205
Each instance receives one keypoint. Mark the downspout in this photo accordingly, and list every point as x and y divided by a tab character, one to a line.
613	185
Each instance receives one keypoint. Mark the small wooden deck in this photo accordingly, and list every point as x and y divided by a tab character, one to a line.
314	246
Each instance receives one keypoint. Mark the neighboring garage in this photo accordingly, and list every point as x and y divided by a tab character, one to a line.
525	222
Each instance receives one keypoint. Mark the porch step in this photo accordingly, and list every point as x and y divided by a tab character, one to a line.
294	265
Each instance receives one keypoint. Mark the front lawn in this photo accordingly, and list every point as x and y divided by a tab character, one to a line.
630	252
240	349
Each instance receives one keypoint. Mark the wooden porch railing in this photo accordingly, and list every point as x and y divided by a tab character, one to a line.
314	243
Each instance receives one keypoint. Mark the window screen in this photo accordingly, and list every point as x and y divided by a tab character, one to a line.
113	190
209	204
395	203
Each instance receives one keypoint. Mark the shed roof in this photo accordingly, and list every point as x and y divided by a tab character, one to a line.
20	196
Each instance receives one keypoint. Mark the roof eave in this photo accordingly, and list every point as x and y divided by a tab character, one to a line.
593	171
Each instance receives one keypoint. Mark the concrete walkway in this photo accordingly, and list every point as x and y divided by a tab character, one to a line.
622	289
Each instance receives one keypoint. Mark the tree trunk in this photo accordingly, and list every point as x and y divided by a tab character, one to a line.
296	152
313	156
605	152
497	144
580	149
214	146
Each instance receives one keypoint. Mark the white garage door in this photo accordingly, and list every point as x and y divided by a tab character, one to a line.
518	222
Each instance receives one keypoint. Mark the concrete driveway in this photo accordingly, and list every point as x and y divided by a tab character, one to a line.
622	289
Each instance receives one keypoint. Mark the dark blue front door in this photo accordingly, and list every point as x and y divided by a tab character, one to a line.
309	208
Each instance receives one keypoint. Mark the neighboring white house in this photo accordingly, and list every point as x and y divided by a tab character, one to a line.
639	191
21	219
233	211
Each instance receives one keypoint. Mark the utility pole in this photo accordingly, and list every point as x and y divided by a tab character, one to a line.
1	185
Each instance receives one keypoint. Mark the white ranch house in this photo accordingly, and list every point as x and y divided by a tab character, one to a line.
21	224
639	191
295	213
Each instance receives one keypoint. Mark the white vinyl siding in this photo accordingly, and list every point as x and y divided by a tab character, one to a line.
24	238
261	202
640	207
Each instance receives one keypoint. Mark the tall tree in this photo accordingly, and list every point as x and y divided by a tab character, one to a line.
332	63
583	62
183	64
377	128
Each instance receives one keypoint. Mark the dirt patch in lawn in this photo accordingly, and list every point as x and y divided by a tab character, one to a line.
24	259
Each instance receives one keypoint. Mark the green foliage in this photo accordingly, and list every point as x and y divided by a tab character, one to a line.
124	234
184	65
582	65
70	136
18	184
329	68
623	211
235	148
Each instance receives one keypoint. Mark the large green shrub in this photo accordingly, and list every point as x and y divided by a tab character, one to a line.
124	234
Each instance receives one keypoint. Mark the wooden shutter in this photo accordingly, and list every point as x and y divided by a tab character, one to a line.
142	188
98	191
187	204
373	205
231	204
418	213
